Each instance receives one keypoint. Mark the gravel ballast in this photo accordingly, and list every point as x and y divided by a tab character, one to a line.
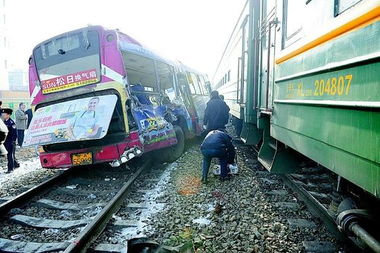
252	212
28	175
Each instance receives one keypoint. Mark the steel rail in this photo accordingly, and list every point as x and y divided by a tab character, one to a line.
314	206
97	225
24	197
318	210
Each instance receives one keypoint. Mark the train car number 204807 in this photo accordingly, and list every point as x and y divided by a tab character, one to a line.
333	86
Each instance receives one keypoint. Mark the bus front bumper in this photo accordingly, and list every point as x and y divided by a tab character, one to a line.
93	155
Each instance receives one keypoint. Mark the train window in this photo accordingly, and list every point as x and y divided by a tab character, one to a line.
343	5
293	11
229	75
166	79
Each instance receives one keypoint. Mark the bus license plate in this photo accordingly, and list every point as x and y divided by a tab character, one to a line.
82	159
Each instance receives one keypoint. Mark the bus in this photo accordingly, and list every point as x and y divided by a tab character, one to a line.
100	96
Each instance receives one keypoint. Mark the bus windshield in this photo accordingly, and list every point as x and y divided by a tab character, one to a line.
69	61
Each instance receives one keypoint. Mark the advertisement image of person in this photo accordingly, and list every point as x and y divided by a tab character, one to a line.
84	124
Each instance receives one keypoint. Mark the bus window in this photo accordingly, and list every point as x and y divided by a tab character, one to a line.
194	82
182	83
201	84
191	83
140	70
166	79
141	77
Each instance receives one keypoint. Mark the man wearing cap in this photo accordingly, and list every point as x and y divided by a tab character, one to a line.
10	141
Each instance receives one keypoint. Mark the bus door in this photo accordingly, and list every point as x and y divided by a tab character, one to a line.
188	101
174	108
267	53
199	96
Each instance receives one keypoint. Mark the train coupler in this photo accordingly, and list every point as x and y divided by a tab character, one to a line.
348	221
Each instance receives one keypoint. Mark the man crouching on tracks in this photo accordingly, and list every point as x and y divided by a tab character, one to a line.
217	144
10	141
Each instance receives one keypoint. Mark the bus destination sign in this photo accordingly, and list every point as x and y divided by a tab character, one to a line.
69	81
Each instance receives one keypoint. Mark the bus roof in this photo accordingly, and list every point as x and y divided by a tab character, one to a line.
126	43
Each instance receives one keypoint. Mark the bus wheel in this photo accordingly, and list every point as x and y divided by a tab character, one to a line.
172	153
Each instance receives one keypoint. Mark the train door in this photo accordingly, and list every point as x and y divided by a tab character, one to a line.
243	64
267	33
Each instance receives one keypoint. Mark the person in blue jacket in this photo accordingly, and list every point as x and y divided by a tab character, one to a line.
216	113
218	144
10	141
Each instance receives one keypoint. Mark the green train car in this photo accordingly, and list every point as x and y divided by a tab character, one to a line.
303	76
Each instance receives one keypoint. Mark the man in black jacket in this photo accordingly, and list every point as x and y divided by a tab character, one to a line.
29	112
216	113
10	141
217	144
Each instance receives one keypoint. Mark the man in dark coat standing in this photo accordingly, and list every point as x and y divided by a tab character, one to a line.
29	112
217	144
216	113
10	141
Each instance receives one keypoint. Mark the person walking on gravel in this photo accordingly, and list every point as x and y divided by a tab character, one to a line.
22	123
217	144
216	113
10	141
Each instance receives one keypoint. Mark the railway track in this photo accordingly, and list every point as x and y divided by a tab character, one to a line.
316	187
67	212
128	228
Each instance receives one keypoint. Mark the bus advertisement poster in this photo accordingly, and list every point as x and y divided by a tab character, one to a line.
75	120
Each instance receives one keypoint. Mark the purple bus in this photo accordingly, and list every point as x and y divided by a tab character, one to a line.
101	96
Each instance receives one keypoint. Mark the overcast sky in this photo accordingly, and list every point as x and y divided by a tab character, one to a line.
193	31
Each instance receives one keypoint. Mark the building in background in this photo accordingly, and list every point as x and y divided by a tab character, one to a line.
18	80
4	45
14	80
11	99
